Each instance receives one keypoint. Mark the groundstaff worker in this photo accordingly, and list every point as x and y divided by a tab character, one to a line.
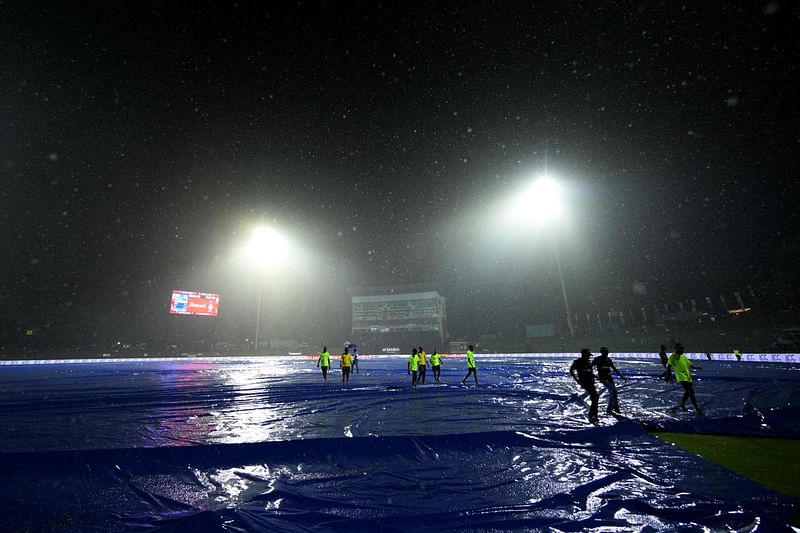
345	362
436	365
683	373
472	368
581	372
604	366
413	367
324	362
423	365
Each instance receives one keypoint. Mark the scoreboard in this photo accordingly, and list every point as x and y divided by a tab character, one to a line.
194	303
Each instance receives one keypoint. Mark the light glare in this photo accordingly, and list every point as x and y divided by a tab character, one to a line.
541	201
266	247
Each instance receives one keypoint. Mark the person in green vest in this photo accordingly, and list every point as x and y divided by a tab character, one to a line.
683	374
324	362
345	362
413	367
737	353
436	365
472	368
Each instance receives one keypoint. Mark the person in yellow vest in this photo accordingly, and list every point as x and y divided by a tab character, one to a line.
423	365
738	354
345	362
683	374
472	368
413	367
324	362
436	365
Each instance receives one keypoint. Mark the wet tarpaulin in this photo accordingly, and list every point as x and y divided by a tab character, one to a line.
265	445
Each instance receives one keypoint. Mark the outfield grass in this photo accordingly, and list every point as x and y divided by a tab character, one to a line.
773	462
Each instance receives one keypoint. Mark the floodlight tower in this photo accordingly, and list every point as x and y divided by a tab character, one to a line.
265	250
542	202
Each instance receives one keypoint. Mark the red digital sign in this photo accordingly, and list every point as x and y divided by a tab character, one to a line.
194	303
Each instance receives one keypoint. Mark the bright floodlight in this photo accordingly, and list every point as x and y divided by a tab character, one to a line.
266	247
541	201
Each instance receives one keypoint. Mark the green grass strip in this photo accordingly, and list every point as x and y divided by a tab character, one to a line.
772	462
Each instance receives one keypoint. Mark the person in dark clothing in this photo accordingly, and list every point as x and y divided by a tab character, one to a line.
662	354
581	372
604	366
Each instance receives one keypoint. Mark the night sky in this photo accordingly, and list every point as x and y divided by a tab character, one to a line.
140	143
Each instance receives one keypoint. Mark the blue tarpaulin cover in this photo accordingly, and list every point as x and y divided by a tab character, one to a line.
265	445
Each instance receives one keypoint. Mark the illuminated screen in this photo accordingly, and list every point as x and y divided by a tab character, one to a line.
194	303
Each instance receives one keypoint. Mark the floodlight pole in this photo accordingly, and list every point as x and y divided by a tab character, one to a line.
563	288
258	312
260	293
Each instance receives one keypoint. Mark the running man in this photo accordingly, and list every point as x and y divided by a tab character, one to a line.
413	367
436	365
683	373
604	366
345	362
423	365
471	366
324	362
581	372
